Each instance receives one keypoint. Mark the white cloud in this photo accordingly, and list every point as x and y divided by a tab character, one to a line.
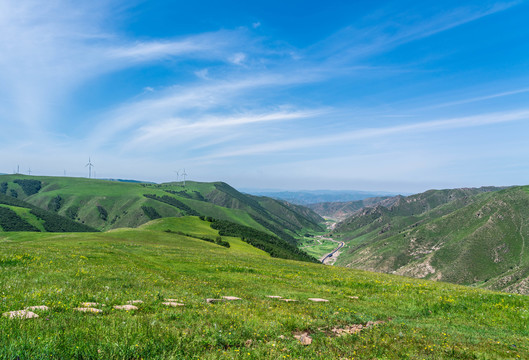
372	133
238	58
158	133
202	74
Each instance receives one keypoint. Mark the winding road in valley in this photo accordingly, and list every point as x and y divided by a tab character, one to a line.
326	259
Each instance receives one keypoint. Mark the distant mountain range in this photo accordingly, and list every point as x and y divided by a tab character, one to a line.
306	197
475	237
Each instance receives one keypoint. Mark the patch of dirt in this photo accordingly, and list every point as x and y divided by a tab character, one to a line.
354	328
420	270
303	337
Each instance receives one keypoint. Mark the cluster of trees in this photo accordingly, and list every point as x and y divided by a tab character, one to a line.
52	222
3	188
275	229
103	214
195	195
173	202
10	221
72	212
55	203
273	245
151	212
218	239
57	223
30	187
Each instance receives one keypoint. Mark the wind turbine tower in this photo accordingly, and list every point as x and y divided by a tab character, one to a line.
184	174
90	166
177	175
29	171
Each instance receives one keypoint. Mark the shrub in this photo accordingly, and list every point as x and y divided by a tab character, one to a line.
30	187
151	212
103	214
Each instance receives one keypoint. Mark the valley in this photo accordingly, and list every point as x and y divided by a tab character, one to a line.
220	274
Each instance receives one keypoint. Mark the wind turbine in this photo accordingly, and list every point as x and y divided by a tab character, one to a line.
29	171
184	176
177	175
90	166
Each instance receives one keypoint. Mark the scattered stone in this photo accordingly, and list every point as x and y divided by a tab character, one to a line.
91	304
38	307
231	298
20	314
135	302
304	338
282	337
353	297
288	300
248	343
211	301
172	303
171	300
273	296
88	309
348	330
355	328
318	300
125	307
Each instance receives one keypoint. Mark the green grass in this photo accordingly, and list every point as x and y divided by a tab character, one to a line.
317	247
85	200
422	320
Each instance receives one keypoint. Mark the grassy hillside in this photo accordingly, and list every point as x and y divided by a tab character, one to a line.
108	204
475	240
18	215
399	318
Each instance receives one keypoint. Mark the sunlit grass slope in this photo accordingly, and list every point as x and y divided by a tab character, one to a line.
420	319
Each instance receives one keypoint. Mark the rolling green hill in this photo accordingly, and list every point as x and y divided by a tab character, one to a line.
367	315
464	236
18	215
108	204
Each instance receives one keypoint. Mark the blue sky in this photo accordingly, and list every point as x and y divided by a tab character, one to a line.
398	96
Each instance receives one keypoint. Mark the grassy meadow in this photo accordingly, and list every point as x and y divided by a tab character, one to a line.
418	319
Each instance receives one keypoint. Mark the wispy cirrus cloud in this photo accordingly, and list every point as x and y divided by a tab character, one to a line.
373	133
48	50
395	29
160	133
